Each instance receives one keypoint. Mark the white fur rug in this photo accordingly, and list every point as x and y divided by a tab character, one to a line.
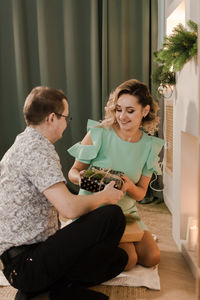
138	277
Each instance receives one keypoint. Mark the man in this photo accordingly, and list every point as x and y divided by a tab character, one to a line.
35	255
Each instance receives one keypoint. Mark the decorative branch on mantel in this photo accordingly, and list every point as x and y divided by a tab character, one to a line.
177	49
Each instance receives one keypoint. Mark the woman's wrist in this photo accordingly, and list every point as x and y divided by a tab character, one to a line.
74	176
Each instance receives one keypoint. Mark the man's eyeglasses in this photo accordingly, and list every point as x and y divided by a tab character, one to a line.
67	118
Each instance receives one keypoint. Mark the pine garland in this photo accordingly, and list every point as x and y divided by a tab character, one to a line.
177	49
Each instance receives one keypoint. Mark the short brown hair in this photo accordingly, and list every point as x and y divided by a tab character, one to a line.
41	102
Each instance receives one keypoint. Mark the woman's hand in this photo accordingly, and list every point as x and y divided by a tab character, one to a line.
81	174
76	172
136	191
127	183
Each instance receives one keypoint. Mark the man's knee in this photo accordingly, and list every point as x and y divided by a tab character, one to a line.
111	219
114	211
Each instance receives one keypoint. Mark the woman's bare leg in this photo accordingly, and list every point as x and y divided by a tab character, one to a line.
132	255
147	251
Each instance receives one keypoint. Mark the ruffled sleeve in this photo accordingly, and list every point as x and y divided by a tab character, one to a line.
86	153
152	163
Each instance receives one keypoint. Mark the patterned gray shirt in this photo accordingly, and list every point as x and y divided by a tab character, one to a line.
28	168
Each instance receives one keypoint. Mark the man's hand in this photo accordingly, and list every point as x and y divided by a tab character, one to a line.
113	195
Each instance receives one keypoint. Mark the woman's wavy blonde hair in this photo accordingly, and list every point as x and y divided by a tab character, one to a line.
140	90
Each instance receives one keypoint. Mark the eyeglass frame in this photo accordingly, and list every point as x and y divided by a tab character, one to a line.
67	118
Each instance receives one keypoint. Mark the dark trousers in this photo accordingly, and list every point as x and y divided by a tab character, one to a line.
85	252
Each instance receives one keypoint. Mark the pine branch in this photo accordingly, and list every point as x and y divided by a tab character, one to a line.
178	48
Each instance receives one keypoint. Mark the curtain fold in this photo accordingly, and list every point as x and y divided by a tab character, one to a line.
21	51
10	121
84	47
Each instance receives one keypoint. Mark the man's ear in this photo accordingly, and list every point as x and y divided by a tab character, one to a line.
146	110
50	117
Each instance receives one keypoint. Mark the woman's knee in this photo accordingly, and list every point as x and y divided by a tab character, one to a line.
132	255
155	259
132	261
148	251
151	259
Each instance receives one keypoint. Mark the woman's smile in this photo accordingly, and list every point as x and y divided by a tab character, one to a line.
128	112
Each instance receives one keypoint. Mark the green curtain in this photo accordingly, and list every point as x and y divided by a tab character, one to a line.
84	47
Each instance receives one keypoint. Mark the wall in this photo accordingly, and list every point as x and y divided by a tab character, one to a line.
185	119
185	100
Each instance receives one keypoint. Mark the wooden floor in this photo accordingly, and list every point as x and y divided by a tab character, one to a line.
176	279
177	282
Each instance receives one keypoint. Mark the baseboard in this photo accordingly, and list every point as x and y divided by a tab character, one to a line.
190	257
168	202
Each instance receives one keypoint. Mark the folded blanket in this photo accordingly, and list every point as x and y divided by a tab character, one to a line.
138	276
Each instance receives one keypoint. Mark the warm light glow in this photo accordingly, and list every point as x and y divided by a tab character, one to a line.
178	16
195	227
192	238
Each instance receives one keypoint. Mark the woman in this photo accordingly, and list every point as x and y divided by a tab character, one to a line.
120	142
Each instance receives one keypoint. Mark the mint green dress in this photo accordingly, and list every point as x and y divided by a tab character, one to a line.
110	151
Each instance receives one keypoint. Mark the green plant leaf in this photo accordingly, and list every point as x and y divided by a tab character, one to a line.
177	49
